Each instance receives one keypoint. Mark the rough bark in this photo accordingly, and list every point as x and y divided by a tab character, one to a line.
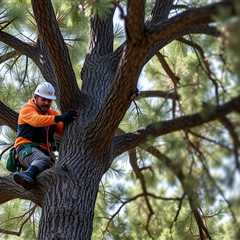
22	47
68	207
68	192
128	141
51	36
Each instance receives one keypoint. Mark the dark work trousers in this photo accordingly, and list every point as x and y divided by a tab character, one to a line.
38	159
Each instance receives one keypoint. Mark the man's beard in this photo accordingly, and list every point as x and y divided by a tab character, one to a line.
44	109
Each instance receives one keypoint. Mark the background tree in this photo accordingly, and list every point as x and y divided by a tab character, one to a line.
180	133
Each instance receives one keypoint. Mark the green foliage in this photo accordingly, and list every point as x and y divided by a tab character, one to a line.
201	158
14	214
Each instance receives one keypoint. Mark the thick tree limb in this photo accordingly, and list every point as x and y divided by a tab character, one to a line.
179	24
193	21
130	140
161	10
102	34
135	20
204	29
8	117
195	29
122	90
18	45
36	53
9	190
51	36
46	67
162	94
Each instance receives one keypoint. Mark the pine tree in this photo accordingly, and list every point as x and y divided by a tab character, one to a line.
154	156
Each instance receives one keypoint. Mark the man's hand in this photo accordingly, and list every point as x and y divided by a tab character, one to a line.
67	117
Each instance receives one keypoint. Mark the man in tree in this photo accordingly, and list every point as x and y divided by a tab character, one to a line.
104	92
37	123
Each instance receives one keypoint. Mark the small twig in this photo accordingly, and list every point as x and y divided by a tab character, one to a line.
8	56
178	212
25	72
201	157
210	140
140	176
203	63
18	233
236	142
129	200
7	24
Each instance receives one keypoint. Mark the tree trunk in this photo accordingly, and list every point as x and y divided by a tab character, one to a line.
68	207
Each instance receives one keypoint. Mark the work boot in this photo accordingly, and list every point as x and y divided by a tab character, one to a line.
26	178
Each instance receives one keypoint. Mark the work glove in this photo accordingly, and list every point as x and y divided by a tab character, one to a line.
67	117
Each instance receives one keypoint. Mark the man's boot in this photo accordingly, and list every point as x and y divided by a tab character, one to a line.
26	178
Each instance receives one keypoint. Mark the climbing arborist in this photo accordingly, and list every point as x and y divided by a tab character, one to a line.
37	124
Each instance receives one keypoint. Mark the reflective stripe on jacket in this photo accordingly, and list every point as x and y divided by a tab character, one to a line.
34	126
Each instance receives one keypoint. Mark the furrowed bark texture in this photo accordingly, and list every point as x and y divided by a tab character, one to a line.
45	65
51	36
68	207
109	81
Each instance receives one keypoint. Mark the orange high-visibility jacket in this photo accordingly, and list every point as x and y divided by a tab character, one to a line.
36	127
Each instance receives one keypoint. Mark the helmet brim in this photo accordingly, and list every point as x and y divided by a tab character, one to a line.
46	96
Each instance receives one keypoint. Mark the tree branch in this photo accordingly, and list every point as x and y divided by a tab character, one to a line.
219	189
162	94
128	141
129	200
8	56
161	10
30	51
18	233
234	135
18	45
102	35
135	20
178	212
195	29
188	183
140	176
52	38
213	141
181	23
10	190
175	79
8	117
204	64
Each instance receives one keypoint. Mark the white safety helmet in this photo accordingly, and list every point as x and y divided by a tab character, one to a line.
45	90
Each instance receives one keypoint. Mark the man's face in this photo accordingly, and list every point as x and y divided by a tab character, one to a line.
43	103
